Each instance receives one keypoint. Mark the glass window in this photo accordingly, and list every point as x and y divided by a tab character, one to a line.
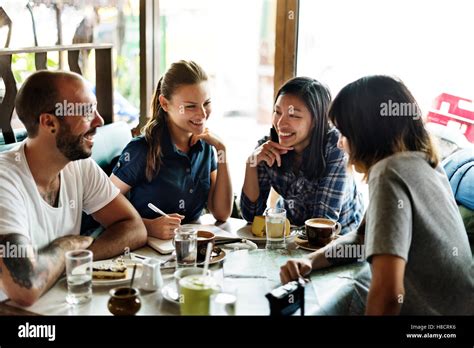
86	21
425	43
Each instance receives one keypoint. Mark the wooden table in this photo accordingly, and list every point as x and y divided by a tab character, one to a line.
253	272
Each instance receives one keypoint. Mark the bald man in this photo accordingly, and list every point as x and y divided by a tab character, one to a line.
49	180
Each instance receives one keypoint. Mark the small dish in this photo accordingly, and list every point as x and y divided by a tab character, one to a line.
304	244
170	293
246	233
216	257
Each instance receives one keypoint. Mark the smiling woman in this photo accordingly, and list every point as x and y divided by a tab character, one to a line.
302	162
173	164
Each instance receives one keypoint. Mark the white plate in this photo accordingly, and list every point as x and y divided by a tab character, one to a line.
101	282
170	294
246	232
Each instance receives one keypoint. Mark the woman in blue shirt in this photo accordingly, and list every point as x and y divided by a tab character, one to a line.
302	162
173	165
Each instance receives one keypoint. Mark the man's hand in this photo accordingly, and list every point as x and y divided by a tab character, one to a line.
163	227
294	269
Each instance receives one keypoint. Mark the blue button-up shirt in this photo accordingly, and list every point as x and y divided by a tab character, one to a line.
333	196
182	184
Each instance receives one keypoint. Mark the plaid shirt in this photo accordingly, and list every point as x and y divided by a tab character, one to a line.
333	196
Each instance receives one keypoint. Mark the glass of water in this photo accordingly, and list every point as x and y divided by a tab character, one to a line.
185	243
79	276
224	302
275	220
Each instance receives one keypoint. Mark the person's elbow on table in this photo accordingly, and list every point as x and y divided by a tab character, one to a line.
20	295
294	269
140	231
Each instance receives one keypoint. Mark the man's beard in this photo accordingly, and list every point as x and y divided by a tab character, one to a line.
71	146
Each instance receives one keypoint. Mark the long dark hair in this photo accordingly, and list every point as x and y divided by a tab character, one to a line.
179	73
363	111
317	98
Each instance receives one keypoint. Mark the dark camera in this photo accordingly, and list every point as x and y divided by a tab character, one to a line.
287	299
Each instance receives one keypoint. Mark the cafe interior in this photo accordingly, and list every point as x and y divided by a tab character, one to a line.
248	49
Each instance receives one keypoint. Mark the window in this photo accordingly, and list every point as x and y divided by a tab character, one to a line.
234	41
424	43
34	23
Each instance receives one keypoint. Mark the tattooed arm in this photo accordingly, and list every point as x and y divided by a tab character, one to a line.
26	275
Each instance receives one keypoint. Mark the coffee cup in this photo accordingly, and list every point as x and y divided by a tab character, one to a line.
203	238
321	231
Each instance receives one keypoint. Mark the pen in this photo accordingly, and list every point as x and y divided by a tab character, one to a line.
156	210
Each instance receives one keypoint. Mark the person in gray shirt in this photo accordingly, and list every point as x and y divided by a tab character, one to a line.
415	240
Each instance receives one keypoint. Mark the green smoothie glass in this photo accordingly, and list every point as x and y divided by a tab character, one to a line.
195	293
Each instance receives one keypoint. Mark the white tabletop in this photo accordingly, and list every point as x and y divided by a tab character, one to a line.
253	272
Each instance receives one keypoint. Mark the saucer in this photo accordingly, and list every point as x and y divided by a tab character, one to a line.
304	244
170	294
215	258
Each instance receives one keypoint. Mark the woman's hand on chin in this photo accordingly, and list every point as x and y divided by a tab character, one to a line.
269	152
210	138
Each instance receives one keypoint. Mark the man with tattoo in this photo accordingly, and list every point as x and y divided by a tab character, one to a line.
46	183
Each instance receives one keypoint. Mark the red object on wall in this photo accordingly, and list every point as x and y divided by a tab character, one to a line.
454	116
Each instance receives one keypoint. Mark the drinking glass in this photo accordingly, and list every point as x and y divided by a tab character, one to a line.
275	220
79	276
224	302
185	243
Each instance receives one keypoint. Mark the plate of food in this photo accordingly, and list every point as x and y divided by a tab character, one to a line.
256	231
114	272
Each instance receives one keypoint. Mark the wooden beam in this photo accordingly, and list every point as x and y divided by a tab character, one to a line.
286	41
104	90
40	60
73	61
149	56
42	49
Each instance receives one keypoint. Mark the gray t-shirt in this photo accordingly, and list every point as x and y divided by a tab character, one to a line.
412	214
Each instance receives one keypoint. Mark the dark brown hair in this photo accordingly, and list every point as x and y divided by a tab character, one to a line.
179	73
363	113
316	97
39	94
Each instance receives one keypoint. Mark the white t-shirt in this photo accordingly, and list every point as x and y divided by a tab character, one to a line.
84	187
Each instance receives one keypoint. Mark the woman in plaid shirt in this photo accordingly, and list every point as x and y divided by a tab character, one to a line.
302	162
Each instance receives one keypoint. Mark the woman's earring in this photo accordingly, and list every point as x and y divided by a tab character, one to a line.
53	130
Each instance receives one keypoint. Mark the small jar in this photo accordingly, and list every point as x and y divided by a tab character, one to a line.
124	301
